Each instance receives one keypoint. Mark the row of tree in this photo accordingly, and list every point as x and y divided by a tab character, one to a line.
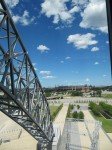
95	108
106	108
96	93
76	93
102	107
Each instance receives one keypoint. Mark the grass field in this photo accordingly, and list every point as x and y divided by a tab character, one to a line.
53	109
106	123
107	96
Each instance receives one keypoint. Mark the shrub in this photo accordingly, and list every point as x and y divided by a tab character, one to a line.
75	115
69	111
106	107
78	106
76	93
95	108
81	115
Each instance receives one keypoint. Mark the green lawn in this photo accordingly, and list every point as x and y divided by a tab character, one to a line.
53	109
106	123
107	96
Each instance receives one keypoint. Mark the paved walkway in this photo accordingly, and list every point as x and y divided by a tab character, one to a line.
110	135
84	137
60	119
104	142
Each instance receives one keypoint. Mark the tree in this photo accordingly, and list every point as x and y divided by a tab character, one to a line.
47	94
98	93
76	93
72	106
96	109
78	106
75	115
81	115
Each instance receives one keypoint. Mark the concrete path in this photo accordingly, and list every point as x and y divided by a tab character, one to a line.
84	137
110	135
60	119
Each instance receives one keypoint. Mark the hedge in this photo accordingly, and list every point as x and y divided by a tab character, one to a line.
70	107
96	109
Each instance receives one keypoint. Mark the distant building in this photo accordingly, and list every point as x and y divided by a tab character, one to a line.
83	88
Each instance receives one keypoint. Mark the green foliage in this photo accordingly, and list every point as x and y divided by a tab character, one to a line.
78	106
56	112
69	111
95	108
71	106
106	107
81	115
106	123
96	93
108	96
102	107
53	108
76	93
47	93
75	115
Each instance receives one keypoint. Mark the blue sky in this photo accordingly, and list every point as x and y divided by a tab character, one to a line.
67	40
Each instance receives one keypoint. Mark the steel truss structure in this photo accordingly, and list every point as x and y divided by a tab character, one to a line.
109	21
21	94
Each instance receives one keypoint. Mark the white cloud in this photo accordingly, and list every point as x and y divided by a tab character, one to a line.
104	75
45	73
62	61
74	9
94	49
96	63
49	77
82	41
43	48
57	9
67	57
25	19
87	80
94	16
12	3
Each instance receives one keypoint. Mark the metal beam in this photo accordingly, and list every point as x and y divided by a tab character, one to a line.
23	98
109	21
